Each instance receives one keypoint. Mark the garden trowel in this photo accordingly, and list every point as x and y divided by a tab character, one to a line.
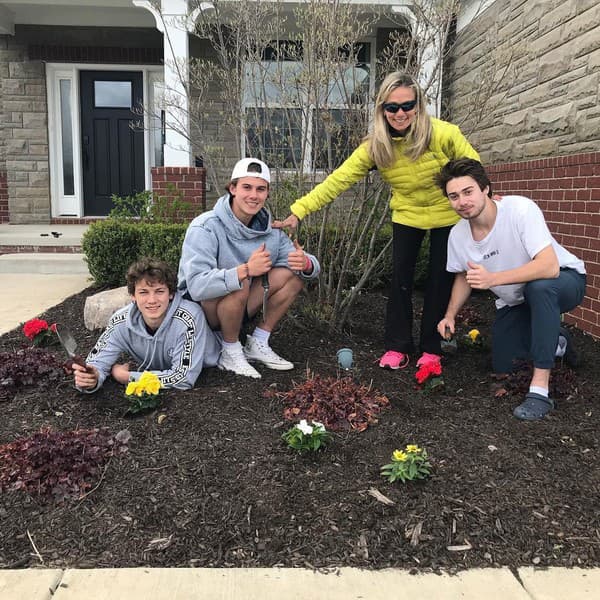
68	342
265	286
448	344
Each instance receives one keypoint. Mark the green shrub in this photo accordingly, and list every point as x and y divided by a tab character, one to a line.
111	246
162	241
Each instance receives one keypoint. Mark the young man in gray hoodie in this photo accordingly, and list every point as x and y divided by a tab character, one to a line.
162	331
226	251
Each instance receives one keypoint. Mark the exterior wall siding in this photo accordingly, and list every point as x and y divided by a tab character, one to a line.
25	134
523	80
523	83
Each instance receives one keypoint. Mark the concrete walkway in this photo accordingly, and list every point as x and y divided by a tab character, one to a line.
297	584
34	282
26	294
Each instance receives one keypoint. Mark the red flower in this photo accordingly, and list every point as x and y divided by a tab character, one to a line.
53	327
428	370
33	327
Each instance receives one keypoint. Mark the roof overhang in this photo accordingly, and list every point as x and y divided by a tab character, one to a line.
126	13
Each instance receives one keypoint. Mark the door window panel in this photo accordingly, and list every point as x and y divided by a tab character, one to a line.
112	94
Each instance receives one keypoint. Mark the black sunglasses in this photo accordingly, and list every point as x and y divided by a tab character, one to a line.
393	107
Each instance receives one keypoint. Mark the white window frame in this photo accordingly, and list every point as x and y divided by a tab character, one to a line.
63	205
307	122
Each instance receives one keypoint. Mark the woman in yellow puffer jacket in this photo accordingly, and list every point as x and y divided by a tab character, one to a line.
408	147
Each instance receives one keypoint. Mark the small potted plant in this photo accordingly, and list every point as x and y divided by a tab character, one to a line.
143	393
40	333
307	438
429	377
408	464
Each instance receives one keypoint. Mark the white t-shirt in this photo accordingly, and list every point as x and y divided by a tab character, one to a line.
519	233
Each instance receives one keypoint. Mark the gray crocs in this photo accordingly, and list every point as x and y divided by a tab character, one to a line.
534	408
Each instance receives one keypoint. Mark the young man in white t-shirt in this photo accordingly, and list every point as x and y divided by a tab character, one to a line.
505	246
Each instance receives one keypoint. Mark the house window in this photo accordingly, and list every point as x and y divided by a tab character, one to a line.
294	122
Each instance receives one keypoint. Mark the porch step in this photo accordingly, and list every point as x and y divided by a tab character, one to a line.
44	263
41	238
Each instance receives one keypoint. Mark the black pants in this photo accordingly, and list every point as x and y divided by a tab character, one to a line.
399	318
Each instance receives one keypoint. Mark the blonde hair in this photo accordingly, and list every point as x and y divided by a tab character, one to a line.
380	145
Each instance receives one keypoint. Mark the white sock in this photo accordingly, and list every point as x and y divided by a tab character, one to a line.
261	334
231	345
561	348
535	389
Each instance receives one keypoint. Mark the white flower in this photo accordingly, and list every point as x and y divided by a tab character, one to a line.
304	427
318	426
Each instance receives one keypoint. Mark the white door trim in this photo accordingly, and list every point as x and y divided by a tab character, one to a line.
63	205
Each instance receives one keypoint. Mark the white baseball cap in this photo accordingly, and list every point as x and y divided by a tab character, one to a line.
259	169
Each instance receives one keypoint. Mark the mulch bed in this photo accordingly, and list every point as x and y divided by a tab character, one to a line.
213	485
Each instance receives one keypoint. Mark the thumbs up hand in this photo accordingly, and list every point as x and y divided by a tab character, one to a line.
297	259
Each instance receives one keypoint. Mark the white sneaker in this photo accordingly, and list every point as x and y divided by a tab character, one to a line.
259	351
235	361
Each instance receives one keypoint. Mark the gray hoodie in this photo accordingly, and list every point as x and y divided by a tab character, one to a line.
217	242
176	352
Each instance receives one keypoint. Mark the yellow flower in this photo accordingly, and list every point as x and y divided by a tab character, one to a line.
132	388
152	387
413	449
399	456
473	334
149	383
146	377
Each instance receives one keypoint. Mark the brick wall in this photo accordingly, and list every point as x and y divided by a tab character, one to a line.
567	189
186	184
3	199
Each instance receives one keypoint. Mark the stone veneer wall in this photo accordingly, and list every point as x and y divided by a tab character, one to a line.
24	134
523	83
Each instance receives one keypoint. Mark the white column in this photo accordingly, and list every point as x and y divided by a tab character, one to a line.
428	30
176	58
172	21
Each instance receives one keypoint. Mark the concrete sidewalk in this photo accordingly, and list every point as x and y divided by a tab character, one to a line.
297	584
33	282
28	295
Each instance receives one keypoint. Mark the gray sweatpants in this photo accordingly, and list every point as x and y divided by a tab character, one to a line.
529	331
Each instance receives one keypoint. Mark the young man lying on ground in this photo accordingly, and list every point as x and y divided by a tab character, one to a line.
506	247
161	331
226	252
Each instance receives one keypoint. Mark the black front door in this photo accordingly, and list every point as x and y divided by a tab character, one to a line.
112	151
